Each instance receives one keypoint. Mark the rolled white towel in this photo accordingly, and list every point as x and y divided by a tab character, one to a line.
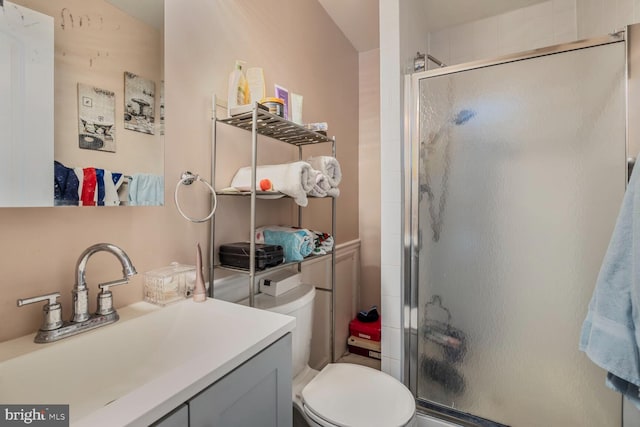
329	166
321	185
293	179
333	192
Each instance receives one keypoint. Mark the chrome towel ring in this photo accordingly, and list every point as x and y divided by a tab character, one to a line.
187	178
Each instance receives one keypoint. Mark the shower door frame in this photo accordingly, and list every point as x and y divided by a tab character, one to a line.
410	255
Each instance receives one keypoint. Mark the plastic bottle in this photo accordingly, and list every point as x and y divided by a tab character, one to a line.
255	80
238	87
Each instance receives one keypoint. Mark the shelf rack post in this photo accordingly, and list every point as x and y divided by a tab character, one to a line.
212	223
254	167
333	265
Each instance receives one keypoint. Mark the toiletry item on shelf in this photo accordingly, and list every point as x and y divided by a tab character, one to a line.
296	108
275	105
255	80
199	291
247	108
238	87
266	185
419	62
165	285
283	94
321	127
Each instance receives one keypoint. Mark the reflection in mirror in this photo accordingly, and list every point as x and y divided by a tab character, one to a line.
108	101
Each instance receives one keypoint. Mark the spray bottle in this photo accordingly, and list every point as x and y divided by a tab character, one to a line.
238	87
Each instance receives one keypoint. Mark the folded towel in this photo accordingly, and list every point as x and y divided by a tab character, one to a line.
89	184
323	242
65	185
80	175
260	231
297	243
99	196
329	166
293	179
609	330
146	190
111	182
93	186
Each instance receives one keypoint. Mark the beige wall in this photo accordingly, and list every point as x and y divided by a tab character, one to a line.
369	150
93	46
299	47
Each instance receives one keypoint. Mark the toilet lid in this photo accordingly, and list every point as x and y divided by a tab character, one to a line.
345	394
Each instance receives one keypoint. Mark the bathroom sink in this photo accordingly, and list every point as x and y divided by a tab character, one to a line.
141	367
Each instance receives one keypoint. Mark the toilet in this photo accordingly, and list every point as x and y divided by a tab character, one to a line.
341	394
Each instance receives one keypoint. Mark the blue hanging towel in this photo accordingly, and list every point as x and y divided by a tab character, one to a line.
611	329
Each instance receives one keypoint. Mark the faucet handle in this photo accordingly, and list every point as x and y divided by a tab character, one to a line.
105	297
52	311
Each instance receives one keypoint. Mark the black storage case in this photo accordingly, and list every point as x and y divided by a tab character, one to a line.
237	255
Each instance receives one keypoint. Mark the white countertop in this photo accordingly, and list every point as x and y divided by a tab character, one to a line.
137	370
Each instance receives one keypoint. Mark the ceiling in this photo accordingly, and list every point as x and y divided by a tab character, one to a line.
358	19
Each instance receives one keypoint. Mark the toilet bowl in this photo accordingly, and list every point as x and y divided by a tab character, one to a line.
341	394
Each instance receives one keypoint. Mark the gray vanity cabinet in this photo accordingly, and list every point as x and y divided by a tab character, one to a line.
177	418
257	393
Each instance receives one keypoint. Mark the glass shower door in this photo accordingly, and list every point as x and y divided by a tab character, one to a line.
521	175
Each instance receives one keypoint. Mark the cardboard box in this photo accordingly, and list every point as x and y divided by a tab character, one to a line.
364	347
369	331
280	282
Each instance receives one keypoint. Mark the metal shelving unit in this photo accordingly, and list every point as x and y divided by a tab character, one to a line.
276	127
261	122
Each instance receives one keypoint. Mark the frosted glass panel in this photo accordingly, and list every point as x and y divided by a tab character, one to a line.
522	171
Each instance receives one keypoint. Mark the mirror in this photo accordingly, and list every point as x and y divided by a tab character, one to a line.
108	112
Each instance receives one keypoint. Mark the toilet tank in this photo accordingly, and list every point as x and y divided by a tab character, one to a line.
297	302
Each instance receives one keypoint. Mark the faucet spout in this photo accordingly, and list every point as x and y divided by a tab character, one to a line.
80	291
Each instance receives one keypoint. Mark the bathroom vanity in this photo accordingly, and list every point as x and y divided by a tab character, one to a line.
211	363
255	393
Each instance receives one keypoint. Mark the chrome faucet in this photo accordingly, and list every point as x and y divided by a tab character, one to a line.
53	328
80	291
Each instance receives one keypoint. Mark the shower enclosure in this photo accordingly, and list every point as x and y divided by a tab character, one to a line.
515	171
